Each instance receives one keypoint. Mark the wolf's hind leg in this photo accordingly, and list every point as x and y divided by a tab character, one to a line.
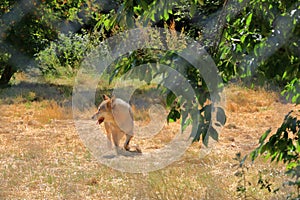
126	144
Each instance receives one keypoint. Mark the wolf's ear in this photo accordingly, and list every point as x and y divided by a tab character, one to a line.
113	98
105	97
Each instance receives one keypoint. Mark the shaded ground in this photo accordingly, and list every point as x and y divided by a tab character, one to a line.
42	156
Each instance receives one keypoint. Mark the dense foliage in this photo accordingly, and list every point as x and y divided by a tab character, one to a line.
27	27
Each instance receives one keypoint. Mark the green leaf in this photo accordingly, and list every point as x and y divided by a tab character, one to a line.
170	98
107	24
186	122
171	120
152	16
284	74
291	165
239	48
137	9
221	116
205	139
228	18
296	99
243	38
249	19
254	154
270	6
214	134
264	136
256	49
166	15
174	115
201	2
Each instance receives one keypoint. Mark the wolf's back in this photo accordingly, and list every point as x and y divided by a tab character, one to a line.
123	115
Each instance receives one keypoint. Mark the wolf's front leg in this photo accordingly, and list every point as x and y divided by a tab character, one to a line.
108	134
109	141
115	139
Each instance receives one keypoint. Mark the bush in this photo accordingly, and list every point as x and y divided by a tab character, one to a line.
64	55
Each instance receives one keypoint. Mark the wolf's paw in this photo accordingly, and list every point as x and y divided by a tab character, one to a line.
138	149
135	149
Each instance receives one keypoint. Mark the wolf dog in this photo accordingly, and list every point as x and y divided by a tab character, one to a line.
118	120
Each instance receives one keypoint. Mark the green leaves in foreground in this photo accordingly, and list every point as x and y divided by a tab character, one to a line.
206	121
292	91
283	146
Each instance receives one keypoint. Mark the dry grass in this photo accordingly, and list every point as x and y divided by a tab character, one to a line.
48	110
247	100
42	156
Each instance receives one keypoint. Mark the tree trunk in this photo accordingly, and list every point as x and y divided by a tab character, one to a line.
6	75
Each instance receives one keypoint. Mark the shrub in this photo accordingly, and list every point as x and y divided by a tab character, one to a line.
64	55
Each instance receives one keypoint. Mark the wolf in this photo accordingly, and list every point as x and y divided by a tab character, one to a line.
117	116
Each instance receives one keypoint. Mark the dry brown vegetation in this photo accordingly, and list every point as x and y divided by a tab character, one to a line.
42	156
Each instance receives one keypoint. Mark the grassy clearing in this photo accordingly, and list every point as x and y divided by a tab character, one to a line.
42	157
247	100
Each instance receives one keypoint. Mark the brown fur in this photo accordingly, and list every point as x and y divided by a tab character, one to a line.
118	120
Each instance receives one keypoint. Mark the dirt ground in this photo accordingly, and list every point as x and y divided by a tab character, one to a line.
43	157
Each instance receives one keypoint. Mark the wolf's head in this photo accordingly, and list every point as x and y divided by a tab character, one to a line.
104	111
